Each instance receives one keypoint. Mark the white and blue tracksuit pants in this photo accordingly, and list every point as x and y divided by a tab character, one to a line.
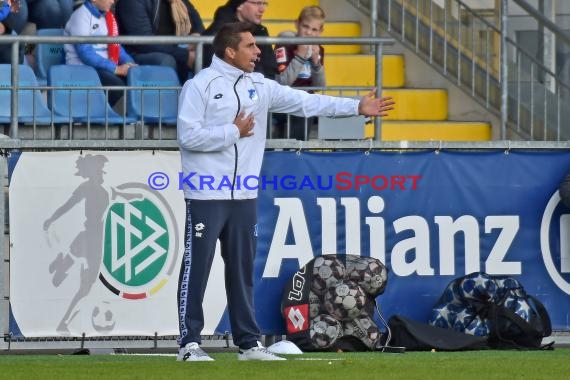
234	223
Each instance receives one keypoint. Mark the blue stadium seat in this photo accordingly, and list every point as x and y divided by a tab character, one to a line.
153	106
81	105
31	105
48	55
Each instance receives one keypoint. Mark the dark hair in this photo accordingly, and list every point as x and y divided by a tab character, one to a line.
229	36
234	4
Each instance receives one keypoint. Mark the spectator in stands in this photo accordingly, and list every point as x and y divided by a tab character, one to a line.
161	18
248	11
49	13
43	13
10	21
111	61
15	20
5	9
301	65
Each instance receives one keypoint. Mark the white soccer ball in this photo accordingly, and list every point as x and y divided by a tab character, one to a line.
102	318
315	305
327	272
367	272
345	301
324	330
364	329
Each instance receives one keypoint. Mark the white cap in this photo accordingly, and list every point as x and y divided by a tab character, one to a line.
285	347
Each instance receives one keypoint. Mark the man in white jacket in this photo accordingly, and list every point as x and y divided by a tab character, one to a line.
222	122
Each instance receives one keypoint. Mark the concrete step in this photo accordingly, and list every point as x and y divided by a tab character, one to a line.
411	104
359	70
277	10
418	104
433	131
332	29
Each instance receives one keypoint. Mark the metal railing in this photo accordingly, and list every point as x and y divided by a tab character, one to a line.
120	143
472	48
17	41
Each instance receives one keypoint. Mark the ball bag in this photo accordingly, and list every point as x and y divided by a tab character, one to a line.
329	303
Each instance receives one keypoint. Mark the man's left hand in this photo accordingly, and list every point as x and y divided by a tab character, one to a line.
371	106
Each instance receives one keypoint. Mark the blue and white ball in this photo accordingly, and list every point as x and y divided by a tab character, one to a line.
477	327
479	287
518	306
445	315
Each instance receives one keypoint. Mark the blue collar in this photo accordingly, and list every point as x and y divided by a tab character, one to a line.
93	9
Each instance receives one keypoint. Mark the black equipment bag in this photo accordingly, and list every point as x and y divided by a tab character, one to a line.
417	336
495	307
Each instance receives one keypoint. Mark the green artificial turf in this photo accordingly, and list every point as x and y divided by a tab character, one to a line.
479	365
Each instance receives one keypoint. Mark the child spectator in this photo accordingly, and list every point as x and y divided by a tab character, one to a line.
301	65
111	61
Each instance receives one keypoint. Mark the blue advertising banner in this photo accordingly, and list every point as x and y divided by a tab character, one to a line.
429	216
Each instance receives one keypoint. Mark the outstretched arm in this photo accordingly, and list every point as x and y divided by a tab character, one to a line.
371	106
72	201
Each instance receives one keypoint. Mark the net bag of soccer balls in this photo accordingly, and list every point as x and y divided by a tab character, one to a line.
329	303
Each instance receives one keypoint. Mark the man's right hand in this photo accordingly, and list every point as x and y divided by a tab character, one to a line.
122	70
244	124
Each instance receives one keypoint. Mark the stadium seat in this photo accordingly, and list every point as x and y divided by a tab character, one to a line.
80	105
31	106
48	55
153	105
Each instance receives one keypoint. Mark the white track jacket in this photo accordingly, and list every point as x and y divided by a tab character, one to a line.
216	162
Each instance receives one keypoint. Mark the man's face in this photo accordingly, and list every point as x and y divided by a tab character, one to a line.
251	11
246	54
